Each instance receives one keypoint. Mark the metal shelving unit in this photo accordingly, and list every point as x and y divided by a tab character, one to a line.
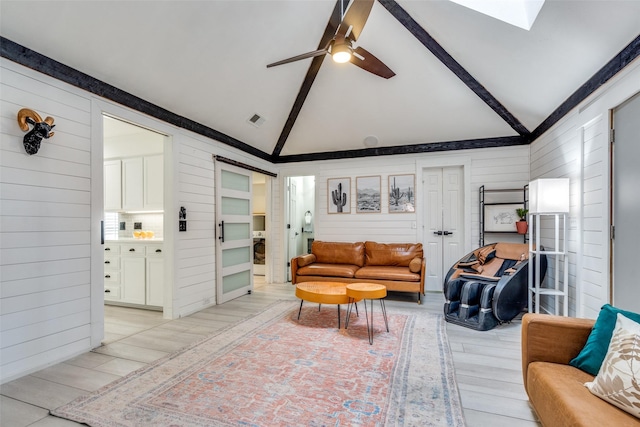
482	202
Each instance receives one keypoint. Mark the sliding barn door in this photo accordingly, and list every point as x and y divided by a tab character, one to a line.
234	254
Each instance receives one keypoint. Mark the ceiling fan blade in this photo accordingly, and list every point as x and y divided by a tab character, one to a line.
313	54
355	18
365	60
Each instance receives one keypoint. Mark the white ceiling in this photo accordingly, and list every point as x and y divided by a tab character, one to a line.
206	60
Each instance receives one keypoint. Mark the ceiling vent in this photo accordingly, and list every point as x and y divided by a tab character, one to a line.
256	120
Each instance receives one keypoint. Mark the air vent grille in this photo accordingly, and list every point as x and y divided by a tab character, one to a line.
256	120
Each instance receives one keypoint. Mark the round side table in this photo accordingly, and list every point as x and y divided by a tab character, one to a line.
322	293
367	291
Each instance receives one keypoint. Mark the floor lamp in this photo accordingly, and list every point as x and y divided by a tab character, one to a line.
548	197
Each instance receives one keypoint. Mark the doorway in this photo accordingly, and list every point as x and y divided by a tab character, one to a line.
625	203
300	224
259	208
443	190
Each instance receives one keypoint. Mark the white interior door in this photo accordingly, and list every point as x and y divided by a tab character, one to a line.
444	219
234	253
626	204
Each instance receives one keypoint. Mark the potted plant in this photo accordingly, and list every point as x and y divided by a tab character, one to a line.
522	225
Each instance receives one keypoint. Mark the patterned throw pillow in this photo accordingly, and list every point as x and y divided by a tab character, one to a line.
618	381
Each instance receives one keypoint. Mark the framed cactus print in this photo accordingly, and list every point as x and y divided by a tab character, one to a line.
339	195
368	196
402	193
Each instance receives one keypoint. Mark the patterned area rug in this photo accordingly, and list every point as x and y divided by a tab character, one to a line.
276	370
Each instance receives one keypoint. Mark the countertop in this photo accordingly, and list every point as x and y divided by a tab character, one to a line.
134	240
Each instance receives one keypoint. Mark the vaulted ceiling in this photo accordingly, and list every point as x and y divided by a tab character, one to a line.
463	79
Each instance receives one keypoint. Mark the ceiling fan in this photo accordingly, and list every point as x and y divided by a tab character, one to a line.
340	47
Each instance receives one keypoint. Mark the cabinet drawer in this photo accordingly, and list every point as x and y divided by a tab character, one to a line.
110	248
111	277
111	263
127	250
111	292
154	250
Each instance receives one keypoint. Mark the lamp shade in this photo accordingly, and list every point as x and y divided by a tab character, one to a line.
549	195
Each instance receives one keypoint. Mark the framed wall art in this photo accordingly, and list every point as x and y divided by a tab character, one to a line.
339	194
501	217
368	196
402	193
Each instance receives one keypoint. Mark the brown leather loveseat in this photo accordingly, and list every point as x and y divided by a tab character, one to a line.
556	390
398	266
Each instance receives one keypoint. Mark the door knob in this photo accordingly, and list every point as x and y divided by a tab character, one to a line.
439	233
447	233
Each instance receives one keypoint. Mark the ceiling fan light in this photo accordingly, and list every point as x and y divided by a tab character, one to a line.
341	53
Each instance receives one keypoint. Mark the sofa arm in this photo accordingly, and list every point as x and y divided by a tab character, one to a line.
556	339
300	261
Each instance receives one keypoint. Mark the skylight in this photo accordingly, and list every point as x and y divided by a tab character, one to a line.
521	13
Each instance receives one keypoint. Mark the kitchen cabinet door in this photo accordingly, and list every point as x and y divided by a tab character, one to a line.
112	185
132	184
133	280
153	183
155	281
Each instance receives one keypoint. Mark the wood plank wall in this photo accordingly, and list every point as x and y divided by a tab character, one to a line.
578	147
44	225
504	167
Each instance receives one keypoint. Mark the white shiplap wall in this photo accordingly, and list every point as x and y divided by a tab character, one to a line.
495	168
578	147
44	225
195	256
50	307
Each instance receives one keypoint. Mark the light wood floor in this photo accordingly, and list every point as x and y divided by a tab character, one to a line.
487	363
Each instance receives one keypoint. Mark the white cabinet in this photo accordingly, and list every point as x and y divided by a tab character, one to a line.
133	280
134	273
153	183
112	185
112	272
132	184
155	281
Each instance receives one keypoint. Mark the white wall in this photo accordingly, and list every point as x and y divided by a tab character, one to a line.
495	168
51	266
45	226
578	147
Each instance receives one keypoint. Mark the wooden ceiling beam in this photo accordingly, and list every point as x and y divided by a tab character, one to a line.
312	72
432	147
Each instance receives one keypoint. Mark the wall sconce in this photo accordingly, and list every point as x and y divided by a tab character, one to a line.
41	129
549	195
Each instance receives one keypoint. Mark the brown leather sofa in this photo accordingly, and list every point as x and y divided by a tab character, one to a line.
556	390
398	266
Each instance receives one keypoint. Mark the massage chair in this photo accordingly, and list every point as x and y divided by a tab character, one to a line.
488	286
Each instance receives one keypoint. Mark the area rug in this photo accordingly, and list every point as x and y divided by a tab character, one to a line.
276	370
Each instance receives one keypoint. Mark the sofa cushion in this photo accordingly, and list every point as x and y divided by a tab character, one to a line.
558	395
329	270
594	351
391	254
381	272
306	260
338	252
618	381
415	266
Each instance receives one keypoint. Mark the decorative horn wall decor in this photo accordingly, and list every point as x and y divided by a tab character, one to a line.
41	129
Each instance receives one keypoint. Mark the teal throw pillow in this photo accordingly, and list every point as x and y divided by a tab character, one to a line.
594	351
